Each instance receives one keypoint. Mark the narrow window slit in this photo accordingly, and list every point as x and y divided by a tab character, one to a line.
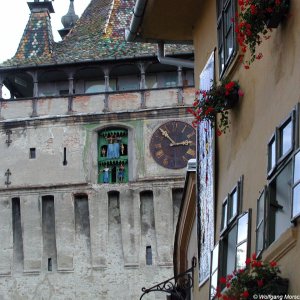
32	153
65	157
50	264
148	255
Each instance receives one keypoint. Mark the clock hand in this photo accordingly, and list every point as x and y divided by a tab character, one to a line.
183	143
165	134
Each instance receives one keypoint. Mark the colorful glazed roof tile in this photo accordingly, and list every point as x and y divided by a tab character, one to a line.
37	39
97	35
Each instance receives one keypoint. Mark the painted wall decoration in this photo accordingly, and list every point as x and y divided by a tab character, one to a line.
205	182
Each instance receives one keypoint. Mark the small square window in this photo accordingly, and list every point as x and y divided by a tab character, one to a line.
32	153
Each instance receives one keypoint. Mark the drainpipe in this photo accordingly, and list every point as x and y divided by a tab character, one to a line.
172	61
138	13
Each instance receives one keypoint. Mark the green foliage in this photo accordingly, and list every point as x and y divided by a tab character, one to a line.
258	278
252	24
217	100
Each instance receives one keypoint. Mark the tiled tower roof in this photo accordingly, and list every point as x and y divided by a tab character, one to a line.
97	35
37	39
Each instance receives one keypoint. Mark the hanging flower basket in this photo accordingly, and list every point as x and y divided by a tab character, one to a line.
273	19
277	286
231	100
258	278
217	100
254	24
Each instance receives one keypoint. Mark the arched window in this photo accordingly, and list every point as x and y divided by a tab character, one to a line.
113	155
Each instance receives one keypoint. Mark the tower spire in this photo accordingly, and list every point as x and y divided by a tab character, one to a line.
68	20
37	40
38	5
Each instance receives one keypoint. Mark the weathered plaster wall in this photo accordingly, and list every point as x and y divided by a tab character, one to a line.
97	233
271	88
64	236
92	103
47	167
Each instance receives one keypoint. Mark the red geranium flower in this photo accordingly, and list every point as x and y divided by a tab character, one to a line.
245	294
273	264
223	280
209	110
260	283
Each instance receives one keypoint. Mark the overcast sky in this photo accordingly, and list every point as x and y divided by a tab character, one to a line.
14	15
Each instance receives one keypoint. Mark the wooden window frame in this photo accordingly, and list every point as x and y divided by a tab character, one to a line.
276	137
230	219
223	247
223	33
261	222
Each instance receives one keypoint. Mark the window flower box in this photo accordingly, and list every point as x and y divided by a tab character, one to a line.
257	279
254	24
217	100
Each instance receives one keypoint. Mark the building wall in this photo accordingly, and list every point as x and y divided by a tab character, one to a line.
93	103
271	92
63	235
96	247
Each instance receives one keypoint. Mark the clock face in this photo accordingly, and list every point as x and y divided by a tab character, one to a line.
173	144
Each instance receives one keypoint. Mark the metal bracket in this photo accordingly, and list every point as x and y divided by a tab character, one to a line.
7	174
8	141
178	286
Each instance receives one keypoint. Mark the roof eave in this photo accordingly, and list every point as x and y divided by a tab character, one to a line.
141	30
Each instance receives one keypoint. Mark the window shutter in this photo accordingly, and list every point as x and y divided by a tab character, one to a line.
260	222
242	244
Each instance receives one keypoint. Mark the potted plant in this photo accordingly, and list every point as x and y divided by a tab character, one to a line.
255	21
218	99
258	278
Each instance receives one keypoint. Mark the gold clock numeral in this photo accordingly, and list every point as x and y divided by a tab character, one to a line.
184	158
174	125
159	153
182	131
167	129
191	134
165	162
191	152
157	146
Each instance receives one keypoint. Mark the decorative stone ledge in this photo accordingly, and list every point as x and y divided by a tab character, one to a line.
282	245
